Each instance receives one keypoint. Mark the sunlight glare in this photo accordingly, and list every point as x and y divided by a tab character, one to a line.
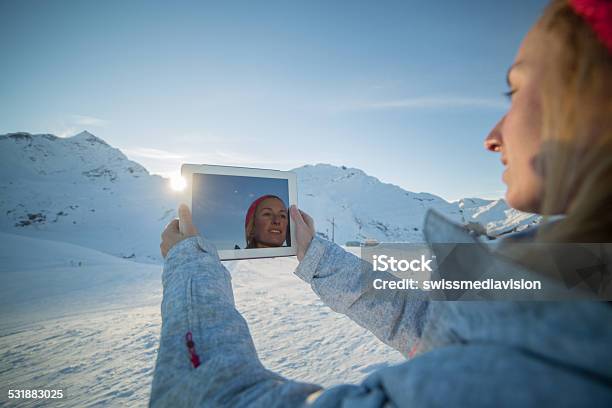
177	183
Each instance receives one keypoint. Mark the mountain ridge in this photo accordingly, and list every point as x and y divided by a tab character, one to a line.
82	190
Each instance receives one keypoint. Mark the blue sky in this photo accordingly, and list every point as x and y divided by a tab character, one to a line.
405	90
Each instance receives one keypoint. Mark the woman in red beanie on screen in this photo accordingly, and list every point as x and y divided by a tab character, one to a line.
265	224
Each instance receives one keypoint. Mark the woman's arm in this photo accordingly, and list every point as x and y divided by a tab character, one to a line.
220	367
343	281
198	299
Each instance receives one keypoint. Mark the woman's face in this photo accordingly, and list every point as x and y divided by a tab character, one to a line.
270	223
517	135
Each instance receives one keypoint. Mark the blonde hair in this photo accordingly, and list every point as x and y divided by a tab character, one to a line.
576	99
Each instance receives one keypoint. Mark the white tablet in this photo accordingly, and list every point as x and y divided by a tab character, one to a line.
244	212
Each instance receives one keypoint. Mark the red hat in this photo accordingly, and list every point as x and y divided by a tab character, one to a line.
253	207
598	15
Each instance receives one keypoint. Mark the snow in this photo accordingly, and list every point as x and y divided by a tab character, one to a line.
80	269
495	216
43	279
83	191
93	329
362	207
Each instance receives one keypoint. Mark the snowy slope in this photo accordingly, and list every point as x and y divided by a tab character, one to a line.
495	216
93	329
362	207
83	191
44	279
77	158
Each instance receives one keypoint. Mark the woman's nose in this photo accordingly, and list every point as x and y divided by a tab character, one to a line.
494	141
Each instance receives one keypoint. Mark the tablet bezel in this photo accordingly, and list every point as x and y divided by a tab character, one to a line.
187	172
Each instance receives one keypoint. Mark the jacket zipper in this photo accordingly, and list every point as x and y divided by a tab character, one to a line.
193	356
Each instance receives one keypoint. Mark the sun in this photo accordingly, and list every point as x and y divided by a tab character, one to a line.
177	183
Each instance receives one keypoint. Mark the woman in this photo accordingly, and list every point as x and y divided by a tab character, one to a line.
266	223
556	144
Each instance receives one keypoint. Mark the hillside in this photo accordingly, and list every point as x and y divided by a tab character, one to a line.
83	191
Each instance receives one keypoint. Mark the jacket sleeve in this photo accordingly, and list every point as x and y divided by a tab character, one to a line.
344	282
198	299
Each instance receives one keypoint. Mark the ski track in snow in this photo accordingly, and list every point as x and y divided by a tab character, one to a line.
99	344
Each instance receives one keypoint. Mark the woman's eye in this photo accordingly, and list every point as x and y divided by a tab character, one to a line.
509	93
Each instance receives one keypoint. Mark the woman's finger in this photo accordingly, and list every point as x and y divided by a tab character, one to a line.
186	226
171	228
307	219
297	216
163	247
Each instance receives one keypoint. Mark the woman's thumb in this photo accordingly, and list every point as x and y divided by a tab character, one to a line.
296	215
185	222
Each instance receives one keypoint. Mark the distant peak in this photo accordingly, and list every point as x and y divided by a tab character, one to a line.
328	167
84	134
89	137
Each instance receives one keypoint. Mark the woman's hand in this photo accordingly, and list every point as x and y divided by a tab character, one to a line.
304	230
177	230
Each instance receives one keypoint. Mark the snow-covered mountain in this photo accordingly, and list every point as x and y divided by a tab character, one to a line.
494	216
361	207
83	191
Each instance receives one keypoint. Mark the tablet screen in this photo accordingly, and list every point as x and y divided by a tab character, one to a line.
241	212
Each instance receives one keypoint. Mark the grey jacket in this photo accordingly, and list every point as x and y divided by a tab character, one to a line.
471	354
